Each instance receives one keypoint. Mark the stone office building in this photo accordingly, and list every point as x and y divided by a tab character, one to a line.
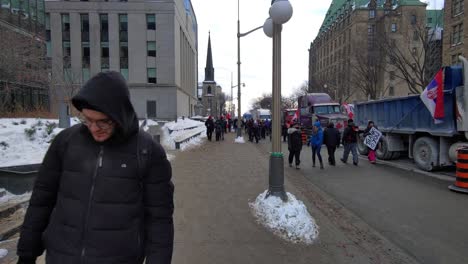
455	41
153	44
347	60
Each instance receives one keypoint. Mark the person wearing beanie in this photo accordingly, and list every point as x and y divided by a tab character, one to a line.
209	123
316	142
103	193
350	142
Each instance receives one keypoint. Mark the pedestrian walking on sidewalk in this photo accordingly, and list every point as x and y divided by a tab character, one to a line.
349	142
331	138
371	152
218	128
294	145
316	141
209	127
256	131
104	192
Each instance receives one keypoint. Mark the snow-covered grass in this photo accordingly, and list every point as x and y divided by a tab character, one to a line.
9	197
239	140
181	131
290	221
3	253
26	140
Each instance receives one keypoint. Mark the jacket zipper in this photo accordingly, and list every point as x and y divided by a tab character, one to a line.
91	193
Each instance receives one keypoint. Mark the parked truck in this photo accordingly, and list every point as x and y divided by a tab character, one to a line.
408	127
320	106
261	114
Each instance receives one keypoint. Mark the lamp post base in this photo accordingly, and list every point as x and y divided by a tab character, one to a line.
276	177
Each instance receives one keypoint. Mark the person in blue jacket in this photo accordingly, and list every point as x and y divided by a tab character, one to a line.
316	141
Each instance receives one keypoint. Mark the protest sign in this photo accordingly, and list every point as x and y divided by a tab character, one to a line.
373	138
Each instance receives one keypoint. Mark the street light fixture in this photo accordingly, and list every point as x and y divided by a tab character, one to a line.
280	13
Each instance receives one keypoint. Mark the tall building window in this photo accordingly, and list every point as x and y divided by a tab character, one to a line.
413	19
457	34
151	75
48	36
372	13
123	37
415	35
456	59
84	27
457	7
150	21
392	75
394	27
151	47
104	26
65	27
104	56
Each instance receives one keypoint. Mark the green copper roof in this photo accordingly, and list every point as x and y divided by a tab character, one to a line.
339	7
435	18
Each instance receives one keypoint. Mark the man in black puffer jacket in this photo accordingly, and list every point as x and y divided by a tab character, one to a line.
101	196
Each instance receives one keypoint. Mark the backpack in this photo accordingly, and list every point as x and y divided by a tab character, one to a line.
144	143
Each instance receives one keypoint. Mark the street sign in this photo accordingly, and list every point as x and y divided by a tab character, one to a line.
373	138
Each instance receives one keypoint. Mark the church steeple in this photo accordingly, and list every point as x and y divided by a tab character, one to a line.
209	70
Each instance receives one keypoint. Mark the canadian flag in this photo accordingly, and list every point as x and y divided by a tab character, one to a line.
433	97
296	115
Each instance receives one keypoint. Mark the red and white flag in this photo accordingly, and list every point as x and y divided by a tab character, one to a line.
296	116
433	97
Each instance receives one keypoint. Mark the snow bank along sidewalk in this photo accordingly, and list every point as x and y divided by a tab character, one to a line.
183	134
289	220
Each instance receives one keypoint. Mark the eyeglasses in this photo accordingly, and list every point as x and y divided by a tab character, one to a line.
102	124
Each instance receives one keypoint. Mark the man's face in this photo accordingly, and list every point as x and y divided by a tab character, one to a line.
99	124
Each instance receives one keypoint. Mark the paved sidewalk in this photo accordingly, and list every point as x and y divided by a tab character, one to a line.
214	184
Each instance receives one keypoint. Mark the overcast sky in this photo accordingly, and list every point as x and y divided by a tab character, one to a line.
220	18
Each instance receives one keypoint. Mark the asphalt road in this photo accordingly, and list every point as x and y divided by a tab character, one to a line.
416	212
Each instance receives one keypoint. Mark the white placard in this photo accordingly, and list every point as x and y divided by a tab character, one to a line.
373	138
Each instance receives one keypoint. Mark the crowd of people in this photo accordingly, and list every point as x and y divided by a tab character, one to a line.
220	126
331	138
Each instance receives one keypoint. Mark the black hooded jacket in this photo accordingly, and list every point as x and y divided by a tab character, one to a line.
93	202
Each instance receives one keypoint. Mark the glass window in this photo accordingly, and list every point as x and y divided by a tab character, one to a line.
151	46
104	21
124	73
413	19
150	22
32	9
457	34
392	75
394	27
415	35
85	74
151	75
457	7
429	20
123	22
371	13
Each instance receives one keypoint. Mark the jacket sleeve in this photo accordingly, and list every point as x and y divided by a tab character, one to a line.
159	207
338	134
320	139
42	202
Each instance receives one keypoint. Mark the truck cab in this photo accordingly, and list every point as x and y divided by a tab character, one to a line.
320	106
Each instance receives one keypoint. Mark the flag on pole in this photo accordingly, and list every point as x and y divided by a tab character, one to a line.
433	97
296	116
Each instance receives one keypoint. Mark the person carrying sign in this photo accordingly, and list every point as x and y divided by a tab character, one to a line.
371	138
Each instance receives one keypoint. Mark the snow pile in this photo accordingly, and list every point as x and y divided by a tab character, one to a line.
183	124
3	252
150	122
290	221
182	130
239	140
8	197
25	141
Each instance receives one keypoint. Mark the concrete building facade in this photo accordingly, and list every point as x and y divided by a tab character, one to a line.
348	60
153	44
455	41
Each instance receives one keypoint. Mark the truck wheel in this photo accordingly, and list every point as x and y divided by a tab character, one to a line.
362	148
382	152
426	153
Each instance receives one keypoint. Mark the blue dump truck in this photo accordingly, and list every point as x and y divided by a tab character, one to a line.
408	126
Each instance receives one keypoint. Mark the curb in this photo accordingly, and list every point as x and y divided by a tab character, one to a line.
412	169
